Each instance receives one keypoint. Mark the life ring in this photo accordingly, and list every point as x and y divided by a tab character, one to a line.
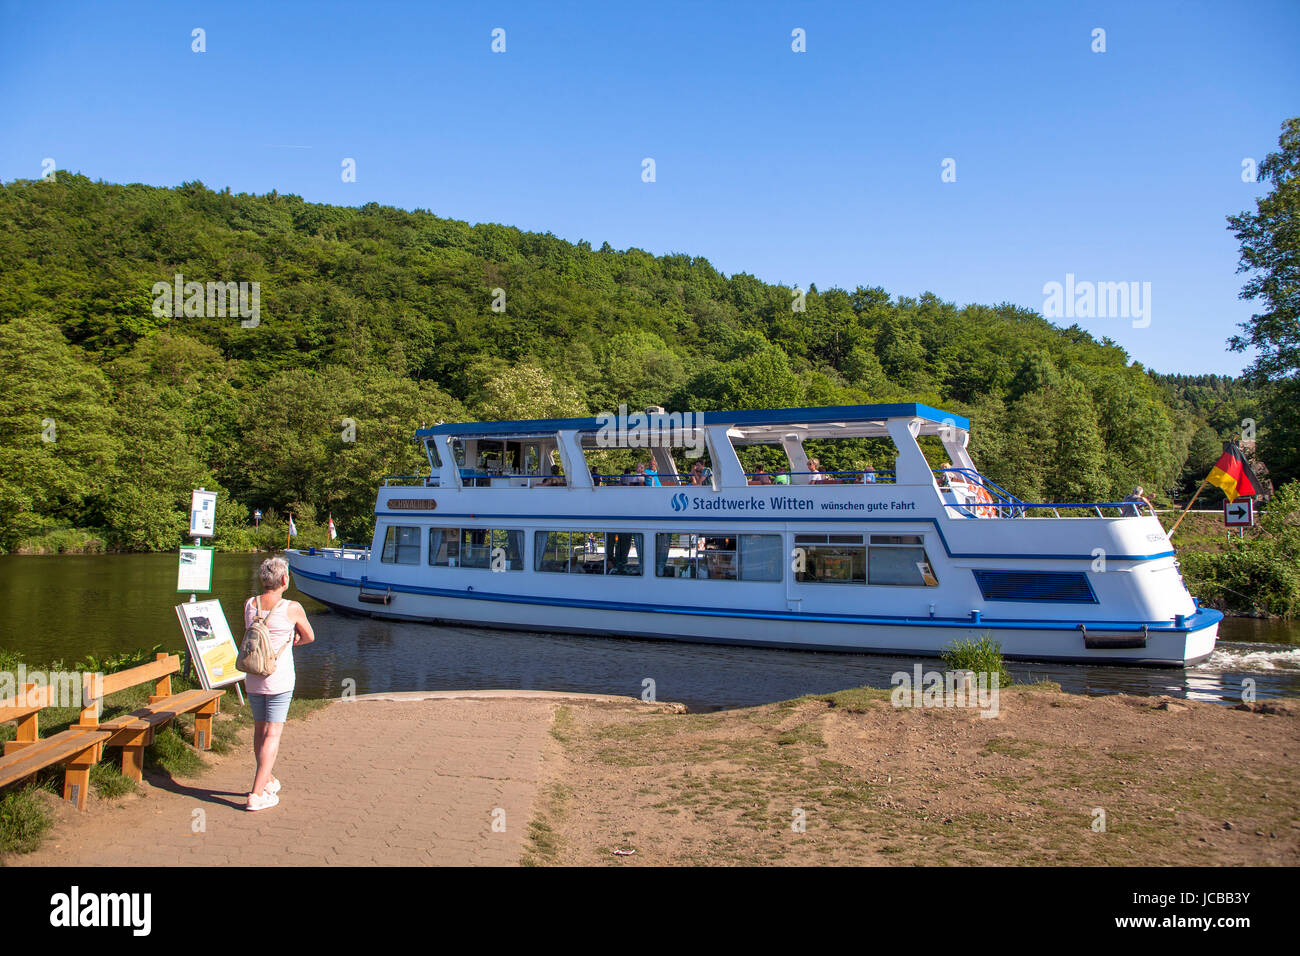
985	509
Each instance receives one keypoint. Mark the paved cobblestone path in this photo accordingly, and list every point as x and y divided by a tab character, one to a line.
365	782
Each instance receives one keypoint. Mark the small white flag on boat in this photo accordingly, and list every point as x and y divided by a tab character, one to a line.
293	528
333	533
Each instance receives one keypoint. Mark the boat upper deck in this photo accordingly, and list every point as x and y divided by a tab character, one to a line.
553	453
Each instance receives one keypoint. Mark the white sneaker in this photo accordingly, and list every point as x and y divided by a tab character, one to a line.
261	801
273	786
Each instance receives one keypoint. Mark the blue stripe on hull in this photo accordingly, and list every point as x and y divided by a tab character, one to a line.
736	642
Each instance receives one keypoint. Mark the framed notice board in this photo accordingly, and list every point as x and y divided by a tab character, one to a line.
195	571
212	646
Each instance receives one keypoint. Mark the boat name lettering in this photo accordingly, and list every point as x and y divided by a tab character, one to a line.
412	504
682	502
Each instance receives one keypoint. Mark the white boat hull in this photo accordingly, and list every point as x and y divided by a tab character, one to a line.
1164	647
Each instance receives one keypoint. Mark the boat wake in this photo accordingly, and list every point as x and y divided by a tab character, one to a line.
1252	657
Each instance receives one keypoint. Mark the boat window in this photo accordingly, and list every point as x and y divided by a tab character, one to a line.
746	557
401	545
589	552
761	557
839	563
892	559
895	539
496	549
899	565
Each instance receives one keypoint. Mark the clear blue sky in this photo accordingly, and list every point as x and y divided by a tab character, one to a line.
819	167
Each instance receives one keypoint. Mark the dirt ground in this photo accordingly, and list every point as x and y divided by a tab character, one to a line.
850	779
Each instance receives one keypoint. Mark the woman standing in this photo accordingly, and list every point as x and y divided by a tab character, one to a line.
269	696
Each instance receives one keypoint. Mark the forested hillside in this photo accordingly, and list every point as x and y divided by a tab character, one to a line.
109	415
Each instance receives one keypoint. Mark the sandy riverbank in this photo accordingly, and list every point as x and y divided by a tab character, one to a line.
505	778
1178	782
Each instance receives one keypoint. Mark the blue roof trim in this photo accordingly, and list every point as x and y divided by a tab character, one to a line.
790	519
765	416
1203	618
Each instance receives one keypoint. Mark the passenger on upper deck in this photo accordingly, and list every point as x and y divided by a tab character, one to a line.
700	474
651	476
555	479
761	477
1135	498
869	474
818	476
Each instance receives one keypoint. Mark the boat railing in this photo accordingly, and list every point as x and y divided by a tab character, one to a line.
412	481
635	480
347	552
1053	509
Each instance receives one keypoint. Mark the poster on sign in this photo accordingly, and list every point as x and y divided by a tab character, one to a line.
195	572
212	646
203	513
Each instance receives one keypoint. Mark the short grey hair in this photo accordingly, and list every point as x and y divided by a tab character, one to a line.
272	572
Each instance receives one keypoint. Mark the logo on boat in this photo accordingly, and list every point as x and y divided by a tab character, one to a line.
680	501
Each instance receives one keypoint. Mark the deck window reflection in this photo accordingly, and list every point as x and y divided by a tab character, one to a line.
401	545
498	549
719	557
830	559
589	552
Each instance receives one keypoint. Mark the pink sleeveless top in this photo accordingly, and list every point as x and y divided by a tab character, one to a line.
282	631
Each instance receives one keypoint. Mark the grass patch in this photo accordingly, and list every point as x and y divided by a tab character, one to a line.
1012	747
171	754
23	821
107	781
857	700
983	656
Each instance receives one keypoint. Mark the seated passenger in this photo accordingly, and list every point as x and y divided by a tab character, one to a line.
700	474
761	477
650	475
869	475
817	475
555	479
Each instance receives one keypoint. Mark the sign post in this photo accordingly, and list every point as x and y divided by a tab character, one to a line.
207	635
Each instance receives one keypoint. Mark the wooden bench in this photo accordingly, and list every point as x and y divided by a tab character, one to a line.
77	748
135	731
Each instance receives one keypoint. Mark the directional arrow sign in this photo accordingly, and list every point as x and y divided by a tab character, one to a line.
1239	513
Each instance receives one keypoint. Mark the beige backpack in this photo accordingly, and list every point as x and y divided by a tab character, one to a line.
255	656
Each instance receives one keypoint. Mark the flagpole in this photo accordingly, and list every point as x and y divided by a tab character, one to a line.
288	533
1189	507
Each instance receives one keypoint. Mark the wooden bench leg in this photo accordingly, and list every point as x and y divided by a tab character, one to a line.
203	724
76	778
133	757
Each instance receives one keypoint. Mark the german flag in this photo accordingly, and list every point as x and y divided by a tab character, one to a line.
1232	473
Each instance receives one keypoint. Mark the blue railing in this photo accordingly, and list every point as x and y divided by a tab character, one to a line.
423	481
1125	509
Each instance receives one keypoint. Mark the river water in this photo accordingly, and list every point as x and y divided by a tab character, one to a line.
63	607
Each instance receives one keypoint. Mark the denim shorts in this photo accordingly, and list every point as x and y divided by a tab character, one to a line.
270	708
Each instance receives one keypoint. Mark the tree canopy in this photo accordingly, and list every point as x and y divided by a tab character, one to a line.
374	321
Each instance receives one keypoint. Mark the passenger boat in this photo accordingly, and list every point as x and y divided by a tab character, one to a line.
512	528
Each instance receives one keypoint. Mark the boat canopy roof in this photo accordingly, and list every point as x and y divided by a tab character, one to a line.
749	426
